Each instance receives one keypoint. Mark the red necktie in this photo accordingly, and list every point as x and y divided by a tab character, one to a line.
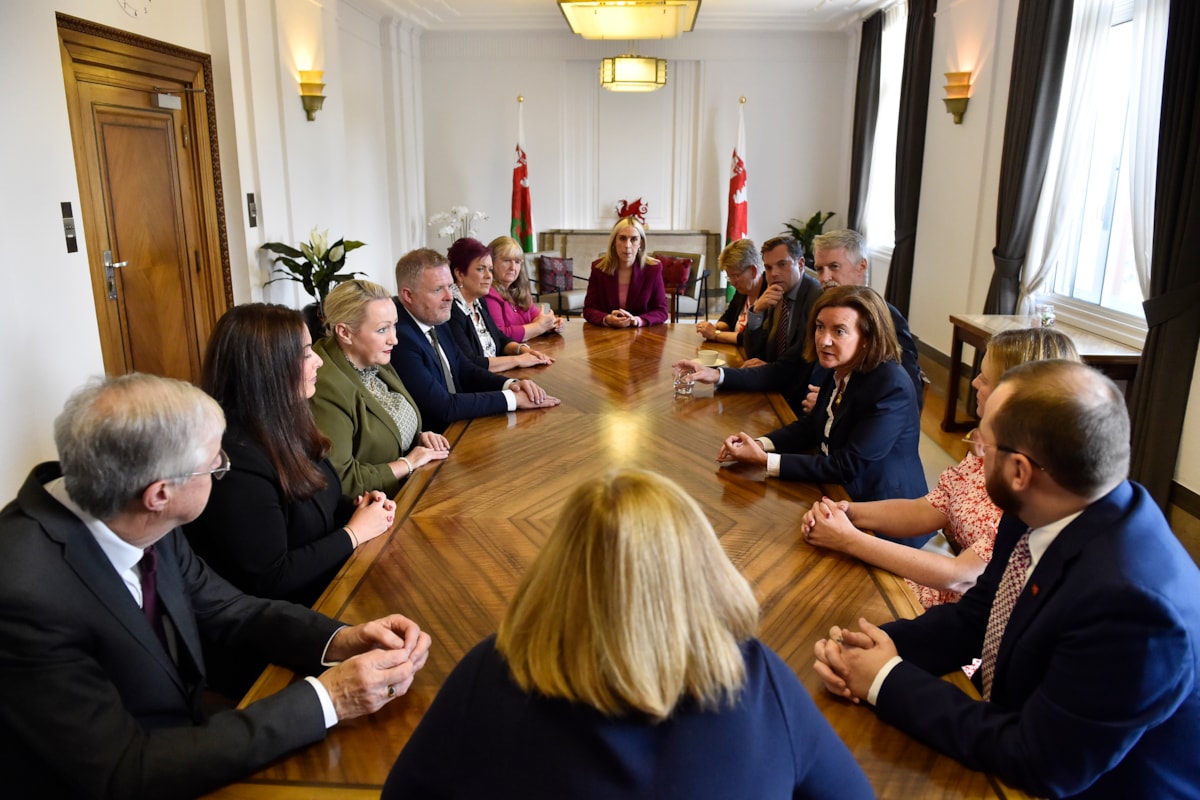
1011	584
148	568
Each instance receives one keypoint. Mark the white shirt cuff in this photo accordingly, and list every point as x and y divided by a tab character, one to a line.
773	464
327	708
510	398
880	677
720	376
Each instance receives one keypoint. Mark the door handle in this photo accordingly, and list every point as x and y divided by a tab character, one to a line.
110	275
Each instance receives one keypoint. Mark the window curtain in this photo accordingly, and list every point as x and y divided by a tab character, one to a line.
866	114
1059	218
1168	359
1039	54
910	147
1141	129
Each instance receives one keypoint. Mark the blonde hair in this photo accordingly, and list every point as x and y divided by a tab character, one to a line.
1007	349
610	261
631	605
516	293
347	303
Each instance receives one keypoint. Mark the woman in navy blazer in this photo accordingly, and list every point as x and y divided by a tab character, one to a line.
582	694
625	289
864	429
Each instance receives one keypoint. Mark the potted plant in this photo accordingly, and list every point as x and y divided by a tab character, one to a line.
316	266
805	231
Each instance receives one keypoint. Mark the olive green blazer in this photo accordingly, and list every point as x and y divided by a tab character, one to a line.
365	437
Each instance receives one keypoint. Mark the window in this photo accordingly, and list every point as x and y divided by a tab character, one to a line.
880	214
1103	271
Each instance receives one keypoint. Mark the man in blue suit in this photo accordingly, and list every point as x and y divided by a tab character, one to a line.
1087	619
445	385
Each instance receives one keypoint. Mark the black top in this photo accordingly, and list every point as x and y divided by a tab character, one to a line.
467	339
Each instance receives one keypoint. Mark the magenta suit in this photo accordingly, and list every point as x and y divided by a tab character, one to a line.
508	318
646	297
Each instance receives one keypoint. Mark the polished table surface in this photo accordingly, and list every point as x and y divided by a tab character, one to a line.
468	528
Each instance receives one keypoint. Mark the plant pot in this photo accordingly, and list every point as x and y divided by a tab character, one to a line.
315	320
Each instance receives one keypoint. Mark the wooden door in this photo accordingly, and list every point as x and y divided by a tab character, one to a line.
151	209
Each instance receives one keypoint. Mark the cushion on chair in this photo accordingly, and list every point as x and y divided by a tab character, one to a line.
556	274
675	271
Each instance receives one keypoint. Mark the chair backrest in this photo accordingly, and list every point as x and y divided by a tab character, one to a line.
681	271
531	267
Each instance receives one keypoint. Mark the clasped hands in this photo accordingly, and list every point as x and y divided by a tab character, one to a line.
378	661
620	318
530	395
744	448
848	661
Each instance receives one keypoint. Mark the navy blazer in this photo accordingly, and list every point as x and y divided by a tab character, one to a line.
418	365
467	339
645	298
91	703
872	443
484	736
1097	684
756	340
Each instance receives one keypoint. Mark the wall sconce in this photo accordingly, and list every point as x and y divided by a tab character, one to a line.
958	94
310	91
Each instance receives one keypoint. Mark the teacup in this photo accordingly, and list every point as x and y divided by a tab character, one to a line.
708	357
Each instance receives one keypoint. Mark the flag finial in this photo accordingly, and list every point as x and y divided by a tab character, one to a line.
742	100
521	98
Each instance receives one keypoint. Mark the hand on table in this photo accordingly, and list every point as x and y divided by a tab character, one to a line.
378	662
826	524
848	661
742	447
530	395
373	516
707	329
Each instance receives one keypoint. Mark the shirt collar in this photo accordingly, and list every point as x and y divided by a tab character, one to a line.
120	553
425	329
1041	538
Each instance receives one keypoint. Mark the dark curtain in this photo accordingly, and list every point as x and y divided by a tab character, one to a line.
866	114
1173	309
910	147
1039	53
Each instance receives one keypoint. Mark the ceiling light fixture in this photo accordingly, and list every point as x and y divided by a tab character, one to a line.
630	19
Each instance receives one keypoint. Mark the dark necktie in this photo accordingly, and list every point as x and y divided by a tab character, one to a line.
437	349
1011	584
781	330
148	569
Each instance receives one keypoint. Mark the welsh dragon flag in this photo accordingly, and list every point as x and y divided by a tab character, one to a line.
736	223
522	213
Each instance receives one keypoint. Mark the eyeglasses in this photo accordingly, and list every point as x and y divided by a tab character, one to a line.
217	473
979	447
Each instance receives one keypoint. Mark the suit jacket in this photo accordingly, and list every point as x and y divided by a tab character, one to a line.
508	318
646	296
485	737
467	340
734	309
420	367
261	541
365	439
91	704
872	443
756	339
1097	683
791	375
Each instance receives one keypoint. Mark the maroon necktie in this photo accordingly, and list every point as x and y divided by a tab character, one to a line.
148	568
781	330
1011	584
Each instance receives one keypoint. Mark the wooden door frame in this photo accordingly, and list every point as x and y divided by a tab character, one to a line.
89	42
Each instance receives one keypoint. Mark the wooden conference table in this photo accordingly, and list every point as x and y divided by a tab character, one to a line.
468	528
1116	360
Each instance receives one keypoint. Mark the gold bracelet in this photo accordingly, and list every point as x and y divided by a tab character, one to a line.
353	538
407	463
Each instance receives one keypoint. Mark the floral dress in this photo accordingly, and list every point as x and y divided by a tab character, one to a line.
962	496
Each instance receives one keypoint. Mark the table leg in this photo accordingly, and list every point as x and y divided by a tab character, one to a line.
950	417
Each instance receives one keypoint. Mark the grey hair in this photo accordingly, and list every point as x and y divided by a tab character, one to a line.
852	241
116	436
740	256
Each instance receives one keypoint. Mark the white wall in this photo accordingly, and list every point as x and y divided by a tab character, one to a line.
415	123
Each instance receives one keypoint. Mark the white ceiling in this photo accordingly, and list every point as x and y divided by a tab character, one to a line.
714	15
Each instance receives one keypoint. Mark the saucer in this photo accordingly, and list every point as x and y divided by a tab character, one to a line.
720	362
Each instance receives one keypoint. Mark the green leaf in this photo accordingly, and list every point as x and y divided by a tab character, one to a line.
279	247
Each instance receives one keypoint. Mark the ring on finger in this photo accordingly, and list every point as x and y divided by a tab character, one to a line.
391	692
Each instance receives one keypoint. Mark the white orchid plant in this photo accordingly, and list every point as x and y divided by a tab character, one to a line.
457	223
316	265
